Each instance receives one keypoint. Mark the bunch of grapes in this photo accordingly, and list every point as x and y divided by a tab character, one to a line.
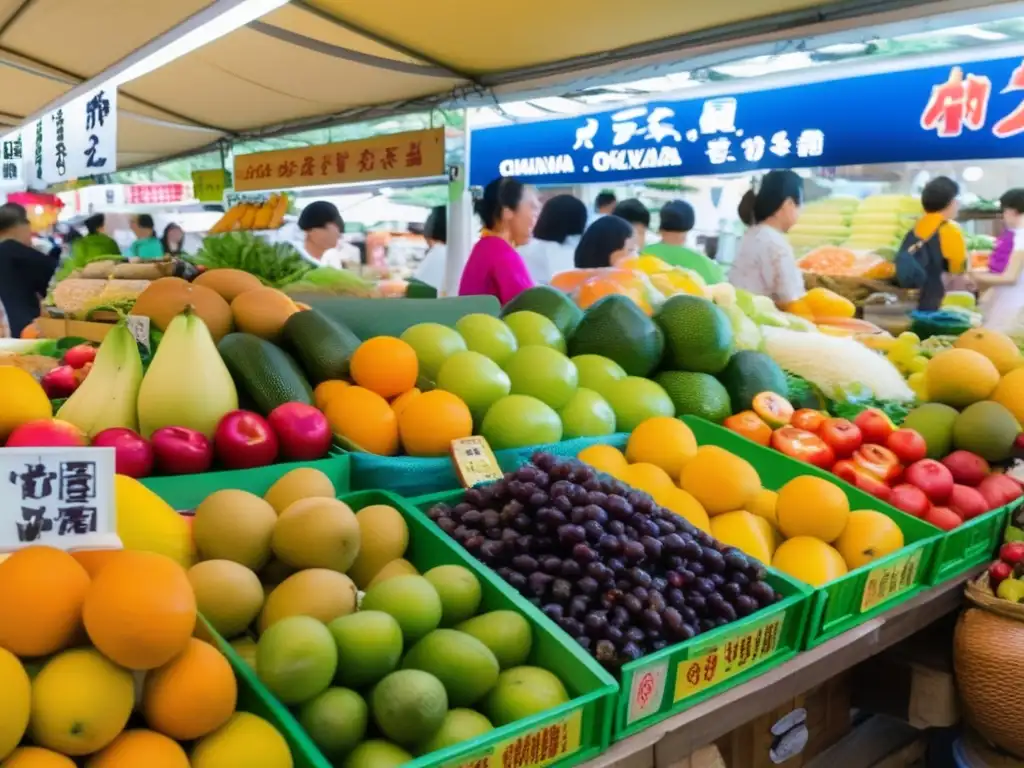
623	576
905	354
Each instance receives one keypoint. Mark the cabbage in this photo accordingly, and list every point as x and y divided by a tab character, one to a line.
746	334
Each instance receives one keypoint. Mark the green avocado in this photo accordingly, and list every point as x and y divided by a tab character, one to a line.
550	302
616	328
750	373
698	335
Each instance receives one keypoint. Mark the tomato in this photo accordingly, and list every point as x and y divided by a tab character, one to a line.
874	425
751	426
908	445
879	462
846	470
808	419
802	445
842	436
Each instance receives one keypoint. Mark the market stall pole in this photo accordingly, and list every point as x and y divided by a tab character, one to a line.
460	216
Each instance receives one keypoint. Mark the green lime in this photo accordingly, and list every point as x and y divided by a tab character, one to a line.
532	328
518	421
377	753
543	373
335	721
475	379
587	414
411	600
296	659
409	705
488	336
459	725
635	400
596	371
434	343
459	591
369	647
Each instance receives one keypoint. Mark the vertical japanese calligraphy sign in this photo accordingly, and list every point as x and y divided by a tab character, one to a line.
12	163
76	140
409	155
60	497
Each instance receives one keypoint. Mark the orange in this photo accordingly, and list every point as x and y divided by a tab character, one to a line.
94	559
719	480
812	506
37	757
679	502
649	478
24	400
604	458
385	365
663	441
810	560
399	403
364	418
751	426
43	591
868	535
429	423
140	610
192	695
326	390
139	747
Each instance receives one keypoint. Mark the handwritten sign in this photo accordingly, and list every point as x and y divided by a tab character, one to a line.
61	497
208	186
728	658
647	689
887	581
539	747
475	462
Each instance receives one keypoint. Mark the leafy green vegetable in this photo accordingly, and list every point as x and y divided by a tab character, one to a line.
275	264
895	410
331	280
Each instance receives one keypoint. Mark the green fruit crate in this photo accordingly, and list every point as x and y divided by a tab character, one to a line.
864	592
574	732
185	492
968	545
680	676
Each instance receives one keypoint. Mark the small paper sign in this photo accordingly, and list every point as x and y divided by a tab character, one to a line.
539	747
139	326
887	581
646	691
61	497
728	658
475	462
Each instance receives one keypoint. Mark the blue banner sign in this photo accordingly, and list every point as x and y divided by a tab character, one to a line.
972	111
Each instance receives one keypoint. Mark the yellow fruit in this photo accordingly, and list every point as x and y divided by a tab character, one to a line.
23	401
764	505
147	523
36	757
811	506
398	567
317	533
325	595
167	298
15	693
719	480
325	390
139	747
228	595
229	283
263	312
234	525
302	483
997	347
1010	394
384	537
747	532
245	740
663	441
868	536
81	701
810	560
960	377
681	503
399	403
646	477
604	458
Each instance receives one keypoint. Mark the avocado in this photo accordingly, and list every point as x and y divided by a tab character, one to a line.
618	329
264	374
750	373
696	394
550	302
322	346
698	335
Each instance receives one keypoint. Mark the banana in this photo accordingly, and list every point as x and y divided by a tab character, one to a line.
187	384
107	398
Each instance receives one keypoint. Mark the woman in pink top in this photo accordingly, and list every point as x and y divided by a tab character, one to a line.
508	210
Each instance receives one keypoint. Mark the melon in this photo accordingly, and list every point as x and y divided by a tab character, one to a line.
262	312
229	283
167	298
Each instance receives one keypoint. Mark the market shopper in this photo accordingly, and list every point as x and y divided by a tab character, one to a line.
322	228
606	242
676	220
1000	286
604	203
435	232
24	272
147	245
765	263
636	213
173	240
508	209
95	243
555	237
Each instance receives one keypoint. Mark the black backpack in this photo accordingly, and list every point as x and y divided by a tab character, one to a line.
915	258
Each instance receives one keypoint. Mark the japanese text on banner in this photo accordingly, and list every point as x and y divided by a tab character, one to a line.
728	658
887	581
535	749
475	462
62	497
76	140
12	162
410	155
208	186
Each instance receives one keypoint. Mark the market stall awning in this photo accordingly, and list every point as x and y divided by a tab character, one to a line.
313	61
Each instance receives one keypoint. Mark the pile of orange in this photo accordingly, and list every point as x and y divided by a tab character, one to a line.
382	411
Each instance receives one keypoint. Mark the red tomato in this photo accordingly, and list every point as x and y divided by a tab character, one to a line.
751	426
842	436
908	445
879	462
808	419
802	445
874	425
846	470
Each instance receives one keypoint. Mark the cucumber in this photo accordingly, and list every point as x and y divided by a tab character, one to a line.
393	317
322	346
265	375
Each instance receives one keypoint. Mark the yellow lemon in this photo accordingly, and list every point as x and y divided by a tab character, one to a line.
810	560
604	458
24	400
326	390
681	503
646	477
719	480
15	693
37	757
764	505
244	740
664	441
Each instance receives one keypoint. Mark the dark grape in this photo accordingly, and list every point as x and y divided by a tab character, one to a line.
571	569
583	554
570	535
573	626
491	551
561	504
674	597
551	564
631	651
493	533
578	516
652	548
509	535
599	571
713	560
706	625
633	551
618	616
517	580
717	579
579	606
745	605
689	615
617	565
692	550
730	591
550	516
704	585
641	502
473	543
609	545
588	586
585	642
651	620
604	651
554	611
697	602
616	527
598	499
538	499
472	518
656	602
673	544
538	583
633	604
658	645
561	590
596	623
619	508
525	564
594	530
740	578
522	523
640	593
447	525
762	592
720	608
595	514
696	568
615	635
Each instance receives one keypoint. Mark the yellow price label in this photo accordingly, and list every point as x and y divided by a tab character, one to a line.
537	748
475	461
887	581
728	658
208	186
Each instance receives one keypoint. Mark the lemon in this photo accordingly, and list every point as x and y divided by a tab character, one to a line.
15	693
604	458
243	740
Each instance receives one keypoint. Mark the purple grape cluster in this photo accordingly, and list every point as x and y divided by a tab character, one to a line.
622	575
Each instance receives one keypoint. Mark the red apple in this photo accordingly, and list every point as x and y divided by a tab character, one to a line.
78	356
967	468
181	451
303	431
47	433
808	419
910	499
133	453
908	445
999	490
932	478
878	461
967	502
1012	552
846	470
841	435
60	382
943	517
244	439
998	572
874	425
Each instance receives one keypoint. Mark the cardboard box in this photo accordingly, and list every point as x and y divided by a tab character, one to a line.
59	328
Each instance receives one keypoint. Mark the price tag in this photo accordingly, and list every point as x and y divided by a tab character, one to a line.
475	462
61	497
646	691
727	658
539	747
887	581
139	326
208	186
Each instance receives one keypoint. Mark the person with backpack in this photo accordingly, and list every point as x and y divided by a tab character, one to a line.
935	247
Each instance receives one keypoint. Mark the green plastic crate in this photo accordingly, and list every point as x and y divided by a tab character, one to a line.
970	544
661	684
583	723
185	492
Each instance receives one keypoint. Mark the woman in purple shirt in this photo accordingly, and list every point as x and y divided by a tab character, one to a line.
508	210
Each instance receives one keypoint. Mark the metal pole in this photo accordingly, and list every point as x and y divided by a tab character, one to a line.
460	218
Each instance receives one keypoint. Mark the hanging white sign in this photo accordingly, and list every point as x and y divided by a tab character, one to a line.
12	163
76	140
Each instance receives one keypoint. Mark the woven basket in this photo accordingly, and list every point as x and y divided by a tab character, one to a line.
988	657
